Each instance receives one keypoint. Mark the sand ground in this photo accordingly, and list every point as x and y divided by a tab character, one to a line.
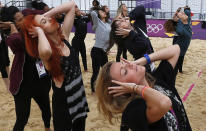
195	62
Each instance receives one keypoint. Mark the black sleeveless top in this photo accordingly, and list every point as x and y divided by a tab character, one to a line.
72	90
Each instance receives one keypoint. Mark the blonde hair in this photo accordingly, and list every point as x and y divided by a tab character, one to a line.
120	11
108	105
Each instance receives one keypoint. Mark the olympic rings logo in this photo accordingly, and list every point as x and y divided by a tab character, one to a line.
154	28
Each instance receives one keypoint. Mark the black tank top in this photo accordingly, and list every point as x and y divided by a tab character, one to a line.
72	91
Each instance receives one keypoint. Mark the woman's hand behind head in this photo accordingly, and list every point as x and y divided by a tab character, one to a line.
122	32
124	88
34	31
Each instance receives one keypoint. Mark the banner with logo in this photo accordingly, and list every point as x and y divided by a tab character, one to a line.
155	29
156	4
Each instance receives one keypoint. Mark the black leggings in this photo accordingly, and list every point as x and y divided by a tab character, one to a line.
4	59
79	46
4	73
121	50
179	65
61	117
99	58
40	93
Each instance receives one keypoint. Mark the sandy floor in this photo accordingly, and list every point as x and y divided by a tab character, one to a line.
195	62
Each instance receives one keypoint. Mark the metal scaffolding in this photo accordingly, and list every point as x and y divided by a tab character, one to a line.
164	13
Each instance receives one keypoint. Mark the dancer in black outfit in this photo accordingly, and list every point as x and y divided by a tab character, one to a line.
47	40
146	103
4	54
25	82
184	32
4	60
135	37
181	26
80	24
122	12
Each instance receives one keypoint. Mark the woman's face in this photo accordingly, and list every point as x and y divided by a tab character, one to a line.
182	16
102	14
124	72
124	8
106	9
77	12
47	24
175	18
94	3
123	23
18	17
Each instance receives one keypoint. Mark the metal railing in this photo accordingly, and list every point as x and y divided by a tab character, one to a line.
22	4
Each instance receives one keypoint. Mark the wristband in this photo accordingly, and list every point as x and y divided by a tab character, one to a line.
142	92
147	58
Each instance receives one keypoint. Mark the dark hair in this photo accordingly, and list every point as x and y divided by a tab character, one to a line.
114	39
106	19
97	2
170	25
7	13
107	13
38	5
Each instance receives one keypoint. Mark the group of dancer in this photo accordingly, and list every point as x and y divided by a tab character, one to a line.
43	58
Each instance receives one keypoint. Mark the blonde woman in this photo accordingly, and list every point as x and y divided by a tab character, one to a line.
122	12
146	103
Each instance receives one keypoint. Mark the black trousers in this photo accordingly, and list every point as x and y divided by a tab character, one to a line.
123	51
40	93
179	65
99	58
61	116
4	59
79	46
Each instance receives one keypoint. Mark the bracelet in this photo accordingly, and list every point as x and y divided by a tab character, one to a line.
147	58
142	91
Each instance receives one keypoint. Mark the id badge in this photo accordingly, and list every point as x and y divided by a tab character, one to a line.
40	69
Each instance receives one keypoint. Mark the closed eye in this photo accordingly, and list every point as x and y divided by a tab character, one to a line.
43	21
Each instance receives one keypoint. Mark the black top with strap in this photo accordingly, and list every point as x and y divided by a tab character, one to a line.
72	91
134	116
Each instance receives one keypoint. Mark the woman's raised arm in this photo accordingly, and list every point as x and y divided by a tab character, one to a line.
69	9
44	47
170	53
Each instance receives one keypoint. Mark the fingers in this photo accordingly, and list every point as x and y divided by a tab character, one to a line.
116	91
119	31
126	61
117	82
118	94
127	18
122	32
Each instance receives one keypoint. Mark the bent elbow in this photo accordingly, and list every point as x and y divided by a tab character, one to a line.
166	104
